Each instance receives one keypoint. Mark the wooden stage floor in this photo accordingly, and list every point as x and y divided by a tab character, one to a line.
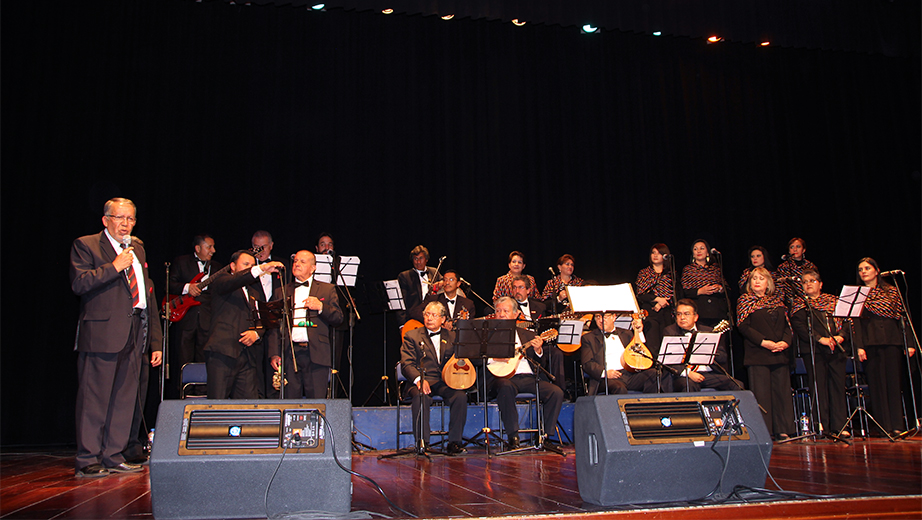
41	485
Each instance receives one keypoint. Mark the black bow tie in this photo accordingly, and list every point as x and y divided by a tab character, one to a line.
451	301
424	274
609	334
523	304
436	333
258	261
306	283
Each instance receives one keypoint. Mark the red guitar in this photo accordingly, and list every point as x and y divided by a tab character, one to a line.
180	305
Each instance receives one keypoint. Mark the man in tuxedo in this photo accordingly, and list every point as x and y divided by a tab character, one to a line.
262	242
693	379
315	312
523	380
600	353
423	354
188	335
416	283
230	359
451	298
532	308
118	323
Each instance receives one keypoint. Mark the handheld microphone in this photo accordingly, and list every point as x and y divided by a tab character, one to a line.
126	241
891	273
551	269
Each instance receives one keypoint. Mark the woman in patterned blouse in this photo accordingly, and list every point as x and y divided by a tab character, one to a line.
758	257
792	268
880	345
762	320
503	285
556	287
703	282
655	292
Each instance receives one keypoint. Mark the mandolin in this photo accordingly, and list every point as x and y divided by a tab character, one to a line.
636	356
180	305
506	367
459	373
585	318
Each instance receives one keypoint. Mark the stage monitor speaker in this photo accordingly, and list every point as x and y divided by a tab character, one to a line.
640	449
216	459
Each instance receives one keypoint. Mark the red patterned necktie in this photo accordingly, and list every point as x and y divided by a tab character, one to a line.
132	284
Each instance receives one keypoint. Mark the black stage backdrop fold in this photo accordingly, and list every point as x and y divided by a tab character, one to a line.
473	137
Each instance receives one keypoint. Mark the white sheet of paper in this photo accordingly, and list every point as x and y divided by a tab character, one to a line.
348	269
394	296
570	332
597	298
851	301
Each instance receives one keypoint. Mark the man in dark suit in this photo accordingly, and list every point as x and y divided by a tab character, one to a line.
315	312
423	354
230	359
416	283
693	379
532	308
118	322
188	335
600	353
451	298
523	380
263	244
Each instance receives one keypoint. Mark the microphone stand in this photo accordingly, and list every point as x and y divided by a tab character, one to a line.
165	342
477	295
857	388
287	315
730	320
904	319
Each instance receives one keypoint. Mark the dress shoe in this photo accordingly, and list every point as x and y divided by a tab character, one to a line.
125	468
139	461
782	437
846	434
513	442
92	471
455	448
896	433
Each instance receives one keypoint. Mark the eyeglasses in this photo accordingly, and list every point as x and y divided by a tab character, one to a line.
120	218
432	314
689	314
810	281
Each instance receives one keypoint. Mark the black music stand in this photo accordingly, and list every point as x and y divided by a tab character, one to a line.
482	339
699	349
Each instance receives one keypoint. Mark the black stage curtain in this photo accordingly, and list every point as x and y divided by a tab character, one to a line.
472	137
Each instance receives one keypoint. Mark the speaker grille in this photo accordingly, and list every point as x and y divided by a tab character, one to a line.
654	420
234	429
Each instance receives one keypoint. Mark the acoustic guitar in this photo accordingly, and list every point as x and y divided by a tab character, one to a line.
506	367
180	305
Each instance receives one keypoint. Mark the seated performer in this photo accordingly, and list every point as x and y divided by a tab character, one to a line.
230	359
503	285
828	336
315	311
451	298
693	379
423	354
600	353
523	380
531	308
416	283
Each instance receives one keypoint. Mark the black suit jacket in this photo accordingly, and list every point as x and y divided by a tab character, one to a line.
105	300
413	291
721	357
232	312
183	269
317	337
765	324
417	354
592	354
537	308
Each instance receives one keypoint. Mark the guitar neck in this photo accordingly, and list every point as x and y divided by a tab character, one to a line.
207	281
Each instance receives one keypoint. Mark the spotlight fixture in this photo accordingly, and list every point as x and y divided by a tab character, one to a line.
715	39
766	43
388	11
448	17
318	7
657	33
589	29
517	22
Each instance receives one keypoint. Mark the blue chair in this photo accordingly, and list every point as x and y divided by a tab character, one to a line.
193	375
800	391
402	398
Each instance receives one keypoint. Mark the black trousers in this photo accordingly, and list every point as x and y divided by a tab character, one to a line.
829	401
231	377
771	385
884	370
457	410
310	381
505	390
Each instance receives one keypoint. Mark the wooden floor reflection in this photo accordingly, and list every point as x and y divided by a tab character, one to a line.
41	485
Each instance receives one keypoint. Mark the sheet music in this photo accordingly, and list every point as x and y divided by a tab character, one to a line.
570	332
394	296
851	301
348	269
597	298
